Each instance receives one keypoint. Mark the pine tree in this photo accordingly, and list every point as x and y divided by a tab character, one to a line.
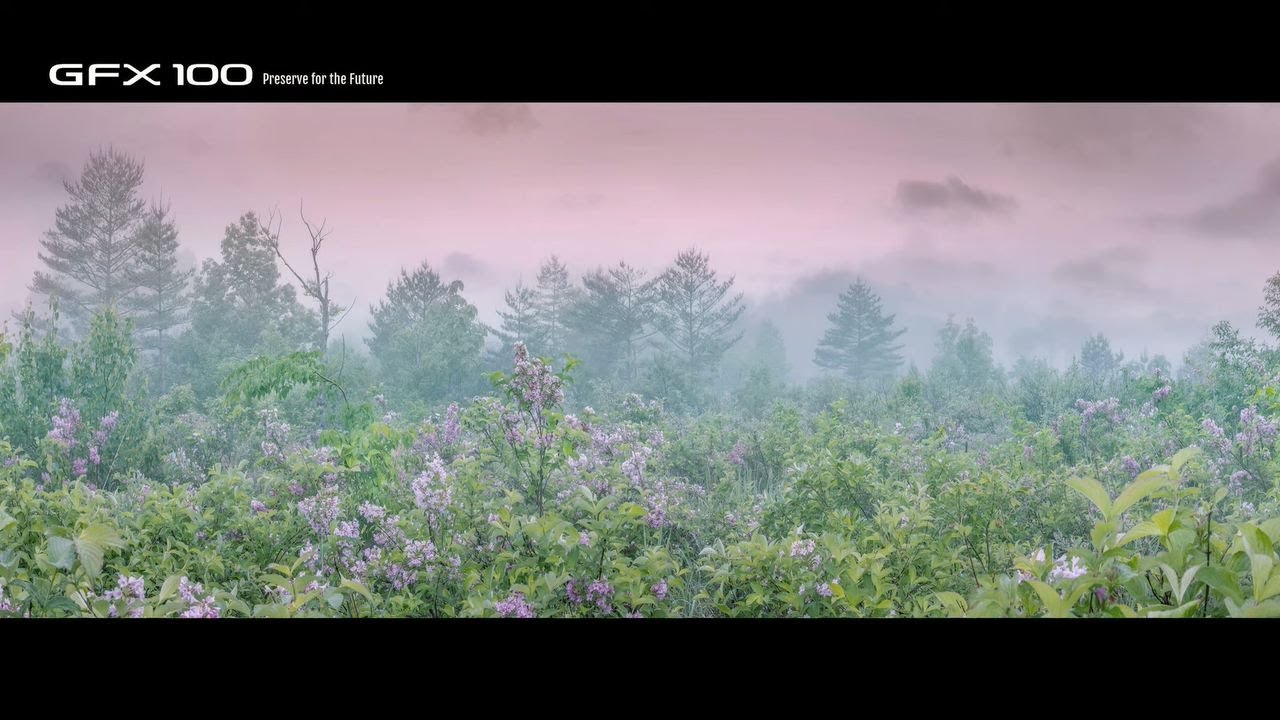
162	298
612	318
695	312
410	299
860	341
94	239
426	338
519	323
555	294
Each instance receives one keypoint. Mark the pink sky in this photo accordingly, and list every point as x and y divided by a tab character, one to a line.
1147	222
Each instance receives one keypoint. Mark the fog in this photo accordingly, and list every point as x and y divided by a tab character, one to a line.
1043	223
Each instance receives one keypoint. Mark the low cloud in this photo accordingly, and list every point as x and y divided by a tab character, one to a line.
1102	135
499	119
1115	273
952	198
1253	215
463	266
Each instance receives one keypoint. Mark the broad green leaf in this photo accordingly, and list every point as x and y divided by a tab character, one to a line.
1223	581
1141	530
1093	492
92	545
303	599
1255	540
1260	566
270	611
1182	611
169	589
1271	528
1048	597
1181	458
6	520
1271	589
62	552
1145	484
1269	609
948	599
357	587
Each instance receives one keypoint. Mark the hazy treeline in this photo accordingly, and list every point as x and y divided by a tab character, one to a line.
682	334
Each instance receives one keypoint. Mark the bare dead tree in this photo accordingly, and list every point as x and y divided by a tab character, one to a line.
316	287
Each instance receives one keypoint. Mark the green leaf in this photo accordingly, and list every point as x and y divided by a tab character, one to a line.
1223	581
1181	458
270	611
1048	597
1271	589
1141	530
62	552
1182	611
169	589
1269	609
1145	484
951	600
6	520
92	545
357	587
1164	520
1093	492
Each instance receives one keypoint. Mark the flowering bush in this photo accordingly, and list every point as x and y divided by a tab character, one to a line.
524	506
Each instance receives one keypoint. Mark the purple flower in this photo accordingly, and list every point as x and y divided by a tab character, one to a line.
94	457
66	424
584	538
452	425
600	591
79	467
660	590
418	553
257	507
201	609
372	513
131	587
801	548
737	456
431	490
320	512
514	606
1131	466
824	590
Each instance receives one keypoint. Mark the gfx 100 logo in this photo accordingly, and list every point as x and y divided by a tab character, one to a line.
197	74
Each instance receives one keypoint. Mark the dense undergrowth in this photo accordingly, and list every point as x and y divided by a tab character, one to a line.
288	496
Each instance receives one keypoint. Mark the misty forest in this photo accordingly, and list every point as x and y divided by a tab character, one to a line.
216	441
